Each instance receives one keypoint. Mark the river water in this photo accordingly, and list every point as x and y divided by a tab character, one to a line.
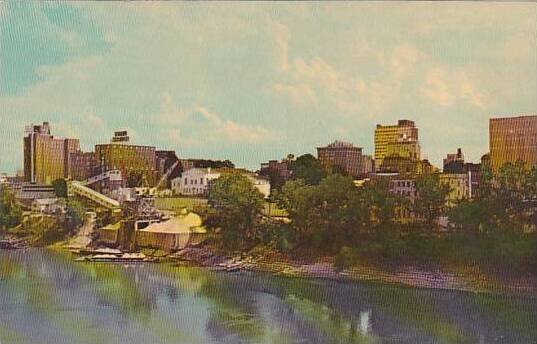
45	297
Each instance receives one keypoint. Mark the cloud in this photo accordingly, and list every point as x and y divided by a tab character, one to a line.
198	125
445	87
273	77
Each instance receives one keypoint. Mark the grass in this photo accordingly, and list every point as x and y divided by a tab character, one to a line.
273	209
179	203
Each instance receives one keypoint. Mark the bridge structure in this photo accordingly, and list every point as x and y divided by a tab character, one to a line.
82	189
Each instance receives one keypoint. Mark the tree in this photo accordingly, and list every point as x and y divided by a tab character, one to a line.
236	206
379	202
308	168
75	214
431	197
324	216
10	211
60	187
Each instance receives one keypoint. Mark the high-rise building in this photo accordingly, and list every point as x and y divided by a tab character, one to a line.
400	139
83	165
136	163
46	158
342	157
513	139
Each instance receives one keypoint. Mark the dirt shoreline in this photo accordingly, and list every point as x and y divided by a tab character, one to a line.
467	279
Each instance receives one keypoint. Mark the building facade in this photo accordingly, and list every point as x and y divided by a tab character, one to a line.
194	182
277	171
391	135
46	158
341	156
459	186
136	163
454	161
513	139
83	165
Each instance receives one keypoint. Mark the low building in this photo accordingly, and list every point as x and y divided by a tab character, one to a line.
194	182
278	172
459	186
29	192
48	206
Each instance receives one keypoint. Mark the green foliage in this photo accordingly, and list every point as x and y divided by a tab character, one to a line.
10	211
335	213
345	258
431	197
236	208
503	202
75	214
60	187
307	168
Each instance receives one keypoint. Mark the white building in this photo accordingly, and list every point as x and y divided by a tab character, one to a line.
261	184
196	181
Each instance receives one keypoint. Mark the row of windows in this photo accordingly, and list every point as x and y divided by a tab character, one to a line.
194	181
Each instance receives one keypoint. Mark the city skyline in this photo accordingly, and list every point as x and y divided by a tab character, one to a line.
253	83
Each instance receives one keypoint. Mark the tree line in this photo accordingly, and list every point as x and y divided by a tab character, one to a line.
328	214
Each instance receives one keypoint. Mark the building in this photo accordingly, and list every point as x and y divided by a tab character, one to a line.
194	182
474	172
83	165
392	135
513	139
404	148
406	188
28	192
278	172
459	186
49	206
454	161
406	166
46	158
341	157
136	163
368	165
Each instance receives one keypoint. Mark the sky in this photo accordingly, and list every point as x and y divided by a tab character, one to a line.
253	81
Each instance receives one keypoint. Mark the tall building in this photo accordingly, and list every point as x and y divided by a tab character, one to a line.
136	163
342	156
513	139
46	158
83	165
401	138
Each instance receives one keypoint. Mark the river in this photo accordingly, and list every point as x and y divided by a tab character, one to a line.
45	297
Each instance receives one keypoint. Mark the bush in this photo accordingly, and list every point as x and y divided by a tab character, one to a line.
345	258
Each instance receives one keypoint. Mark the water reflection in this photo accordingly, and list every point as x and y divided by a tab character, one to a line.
46	297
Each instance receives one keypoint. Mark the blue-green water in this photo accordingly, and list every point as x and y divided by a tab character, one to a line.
45	297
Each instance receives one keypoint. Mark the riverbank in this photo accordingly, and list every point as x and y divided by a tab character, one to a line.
466	278
461	278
